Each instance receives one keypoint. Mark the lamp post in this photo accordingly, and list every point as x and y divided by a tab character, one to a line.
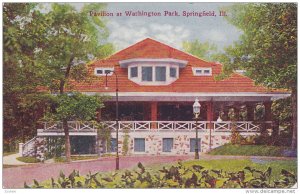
117	114
196	111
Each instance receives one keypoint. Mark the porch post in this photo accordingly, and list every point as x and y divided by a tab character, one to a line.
154	115
250	112
209	119
268	114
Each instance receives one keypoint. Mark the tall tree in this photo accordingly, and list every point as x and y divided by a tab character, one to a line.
23	26
267	49
73	39
204	50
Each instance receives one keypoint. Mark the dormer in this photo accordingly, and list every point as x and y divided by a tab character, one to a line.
145	71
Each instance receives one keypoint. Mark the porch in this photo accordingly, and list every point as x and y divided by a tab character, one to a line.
77	128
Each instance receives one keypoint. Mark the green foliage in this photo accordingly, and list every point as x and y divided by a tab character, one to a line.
28	159
204	50
176	176
248	150
75	106
125	147
103	134
55	147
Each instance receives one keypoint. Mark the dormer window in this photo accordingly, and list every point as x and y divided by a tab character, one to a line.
133	72
202	71
153	71
101	71
173	72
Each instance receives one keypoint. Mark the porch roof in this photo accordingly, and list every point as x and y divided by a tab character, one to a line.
190	97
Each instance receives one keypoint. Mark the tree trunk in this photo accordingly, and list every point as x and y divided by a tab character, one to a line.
294	119
67	141
65	121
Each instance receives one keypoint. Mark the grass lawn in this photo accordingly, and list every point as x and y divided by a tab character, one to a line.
9	153
249	150
28	159
74	158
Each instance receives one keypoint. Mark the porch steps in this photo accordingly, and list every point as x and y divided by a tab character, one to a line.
28	149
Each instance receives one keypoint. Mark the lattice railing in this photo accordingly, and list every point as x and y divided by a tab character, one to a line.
224	126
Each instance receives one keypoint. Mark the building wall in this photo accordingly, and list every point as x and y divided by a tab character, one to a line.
181	142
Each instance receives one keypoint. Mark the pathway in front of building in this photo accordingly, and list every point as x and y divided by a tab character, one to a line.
16	176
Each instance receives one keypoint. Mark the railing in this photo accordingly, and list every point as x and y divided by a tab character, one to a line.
224	126
74	126
28	147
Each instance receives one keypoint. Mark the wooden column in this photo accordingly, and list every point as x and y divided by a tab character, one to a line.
154	114
250	112
268	114
209	113
98	114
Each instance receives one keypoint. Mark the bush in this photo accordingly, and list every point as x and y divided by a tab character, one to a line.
177	176
28	159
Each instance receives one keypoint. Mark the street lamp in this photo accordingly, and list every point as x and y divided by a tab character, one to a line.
117	113
196	111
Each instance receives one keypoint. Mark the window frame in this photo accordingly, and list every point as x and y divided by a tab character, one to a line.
199	143
164	150
134	145
202	71
137	72
103	69
152	73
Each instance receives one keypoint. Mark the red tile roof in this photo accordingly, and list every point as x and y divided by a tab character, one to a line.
186	82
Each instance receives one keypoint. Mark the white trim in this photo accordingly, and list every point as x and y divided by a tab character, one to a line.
193	94
195	73
178	62
103	71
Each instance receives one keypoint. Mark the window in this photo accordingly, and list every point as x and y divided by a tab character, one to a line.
102	71
192	144
139	144
99	71
160	73
133	72
167	144
202	71
113	145
173	72
146	73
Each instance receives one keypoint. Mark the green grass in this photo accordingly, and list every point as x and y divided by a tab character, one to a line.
10	166
75	158
9	153
249	150
28	159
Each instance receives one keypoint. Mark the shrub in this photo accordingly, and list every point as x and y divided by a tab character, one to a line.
177	176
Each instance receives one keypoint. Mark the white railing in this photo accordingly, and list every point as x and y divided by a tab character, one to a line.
223	126
29	147
74	126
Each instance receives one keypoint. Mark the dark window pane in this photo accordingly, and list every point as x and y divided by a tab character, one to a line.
146	73
172	72
167	144
99	71
206	71
139	144
107	71
133	72
198	71
192	144
113	145
160	73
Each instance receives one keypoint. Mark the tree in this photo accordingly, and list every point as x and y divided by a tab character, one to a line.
73	39
74	106
267	49
202	50
23	26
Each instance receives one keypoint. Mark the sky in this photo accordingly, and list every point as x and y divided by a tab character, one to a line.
172	30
